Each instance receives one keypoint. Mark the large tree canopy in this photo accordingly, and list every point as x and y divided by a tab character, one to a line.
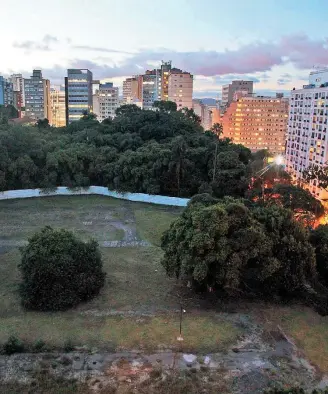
159	152
224	245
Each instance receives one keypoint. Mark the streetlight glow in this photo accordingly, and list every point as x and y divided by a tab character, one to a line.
279	160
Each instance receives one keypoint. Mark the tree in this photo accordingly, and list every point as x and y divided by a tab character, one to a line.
59	271
86	115
190	114
305	207
217	129
228	247
319	240
318	174
165	106
127	109
8	112
42	123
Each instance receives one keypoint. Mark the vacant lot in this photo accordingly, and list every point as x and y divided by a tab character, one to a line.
138	306
103	218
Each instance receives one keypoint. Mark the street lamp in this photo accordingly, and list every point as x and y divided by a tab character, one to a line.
182	311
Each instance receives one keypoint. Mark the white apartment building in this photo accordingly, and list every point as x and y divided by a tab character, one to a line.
180	87
307	136
229	90
106	101
204	112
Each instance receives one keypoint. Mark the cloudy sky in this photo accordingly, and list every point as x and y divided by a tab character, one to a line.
273	42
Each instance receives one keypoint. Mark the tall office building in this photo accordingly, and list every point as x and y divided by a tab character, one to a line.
132	89
78	93
229	90
257	123
180	87
37	97
106	101
58	107
307	137
151	88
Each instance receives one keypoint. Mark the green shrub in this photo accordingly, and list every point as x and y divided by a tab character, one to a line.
59	271
39	346
13	345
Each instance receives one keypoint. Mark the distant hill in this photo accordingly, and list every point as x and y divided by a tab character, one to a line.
208	101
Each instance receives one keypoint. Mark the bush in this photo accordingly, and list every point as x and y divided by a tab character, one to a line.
59	271
13	345
39	346
319	239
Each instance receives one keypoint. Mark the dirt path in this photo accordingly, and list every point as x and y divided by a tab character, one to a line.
249	366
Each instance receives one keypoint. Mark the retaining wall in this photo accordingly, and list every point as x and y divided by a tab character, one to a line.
103	191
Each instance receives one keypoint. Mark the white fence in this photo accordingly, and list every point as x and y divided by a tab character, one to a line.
103	191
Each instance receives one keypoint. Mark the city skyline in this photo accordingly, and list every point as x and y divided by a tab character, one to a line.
273	44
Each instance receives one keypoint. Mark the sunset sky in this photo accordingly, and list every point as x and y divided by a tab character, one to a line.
275	43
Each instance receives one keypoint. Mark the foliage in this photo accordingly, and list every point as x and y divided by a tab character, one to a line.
86	115
59	271
305	207
155	152
217	129
191	114
295	390
7	112
166	106
42	123
319	240
317	174
13	345
228	247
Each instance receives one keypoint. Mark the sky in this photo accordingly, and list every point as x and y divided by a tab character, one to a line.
275	43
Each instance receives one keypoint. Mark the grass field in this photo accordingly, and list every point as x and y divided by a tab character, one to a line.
137	308
88	216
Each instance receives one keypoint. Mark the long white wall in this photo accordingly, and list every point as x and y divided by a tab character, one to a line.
103	191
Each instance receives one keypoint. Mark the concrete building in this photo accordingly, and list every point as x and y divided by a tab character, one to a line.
78	92
132	89
37	97
165	71
18	93
229	90
204	112
106	101
58	107
180	88
307	137
2	90
257	123
151	88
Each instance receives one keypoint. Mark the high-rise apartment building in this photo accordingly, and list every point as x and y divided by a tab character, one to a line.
257	123
204	112
307	136
58	107
37	97
165	71
18	93
229	90
180	87
132	89
2	90
106	101
151	88
78	91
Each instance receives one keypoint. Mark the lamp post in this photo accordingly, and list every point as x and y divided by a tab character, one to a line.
180	338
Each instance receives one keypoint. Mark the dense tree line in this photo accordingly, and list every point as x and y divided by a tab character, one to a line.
159	152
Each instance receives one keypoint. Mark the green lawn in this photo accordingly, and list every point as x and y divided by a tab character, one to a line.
307	328
88	216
